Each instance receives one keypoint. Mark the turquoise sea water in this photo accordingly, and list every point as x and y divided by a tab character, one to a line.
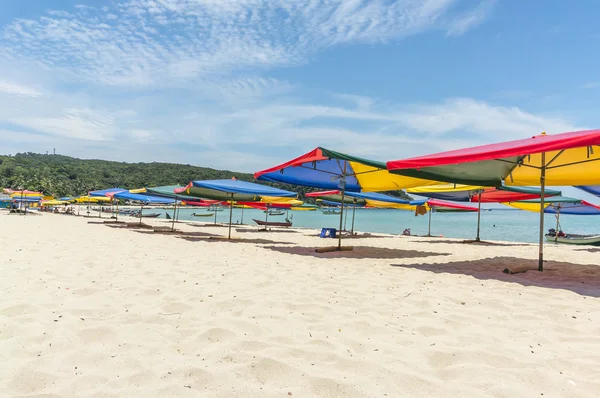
497	224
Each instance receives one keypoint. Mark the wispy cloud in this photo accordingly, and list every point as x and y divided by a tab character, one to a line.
17	89
188	80
126	44
471	18
272	129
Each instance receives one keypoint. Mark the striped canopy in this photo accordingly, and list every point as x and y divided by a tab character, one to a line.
556	205
471	193
569	159
324	169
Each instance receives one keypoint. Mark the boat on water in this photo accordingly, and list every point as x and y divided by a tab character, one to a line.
330	211
572	239
274	212
147	215
203	214
215	208
273	223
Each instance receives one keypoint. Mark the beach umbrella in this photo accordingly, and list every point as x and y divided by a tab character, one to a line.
327	169
23	196
591	189
367	199
233	190
143	199
441	206
109	193
549	160
558	206
479	194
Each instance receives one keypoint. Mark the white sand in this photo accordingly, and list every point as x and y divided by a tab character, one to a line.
90	310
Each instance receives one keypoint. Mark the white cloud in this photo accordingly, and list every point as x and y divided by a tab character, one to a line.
78	123
126	45
471	116
184	81
17	89
471	18
141	135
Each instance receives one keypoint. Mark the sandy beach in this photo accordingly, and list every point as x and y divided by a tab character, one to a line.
104	311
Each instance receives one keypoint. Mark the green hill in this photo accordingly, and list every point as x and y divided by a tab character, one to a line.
59	175
63	175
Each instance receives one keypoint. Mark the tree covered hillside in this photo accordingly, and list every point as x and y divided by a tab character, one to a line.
59	175
63	175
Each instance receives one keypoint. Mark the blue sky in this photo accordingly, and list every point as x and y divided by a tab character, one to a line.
246	84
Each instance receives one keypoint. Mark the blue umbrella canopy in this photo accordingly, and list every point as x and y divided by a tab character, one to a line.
106	192
237	190
143	198
593	189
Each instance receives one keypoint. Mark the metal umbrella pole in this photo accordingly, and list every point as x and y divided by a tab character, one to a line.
557	223
353	213
343	186
266	215
478	218
346	218
174	215
429	230
230	215
542	200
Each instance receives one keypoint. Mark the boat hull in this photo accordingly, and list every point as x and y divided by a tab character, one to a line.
591	240
272	223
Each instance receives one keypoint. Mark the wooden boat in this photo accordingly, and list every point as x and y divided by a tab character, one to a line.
573	239
147	215
203	214
273	223
330	212
275	213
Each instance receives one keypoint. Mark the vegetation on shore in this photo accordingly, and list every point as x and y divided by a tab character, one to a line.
59	175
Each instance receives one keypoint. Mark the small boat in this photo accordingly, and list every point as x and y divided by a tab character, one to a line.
215	208
147	215
275	212
330	211
203	214
573	239
273	223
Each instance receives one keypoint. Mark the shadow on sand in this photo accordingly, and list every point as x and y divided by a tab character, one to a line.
357	252
474	242
250	230
581	279
590	249
232	240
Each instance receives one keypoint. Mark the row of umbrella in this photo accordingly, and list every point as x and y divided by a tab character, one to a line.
544	160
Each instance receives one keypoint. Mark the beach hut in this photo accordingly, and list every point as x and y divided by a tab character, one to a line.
327	169
480	194
548	160
233	190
